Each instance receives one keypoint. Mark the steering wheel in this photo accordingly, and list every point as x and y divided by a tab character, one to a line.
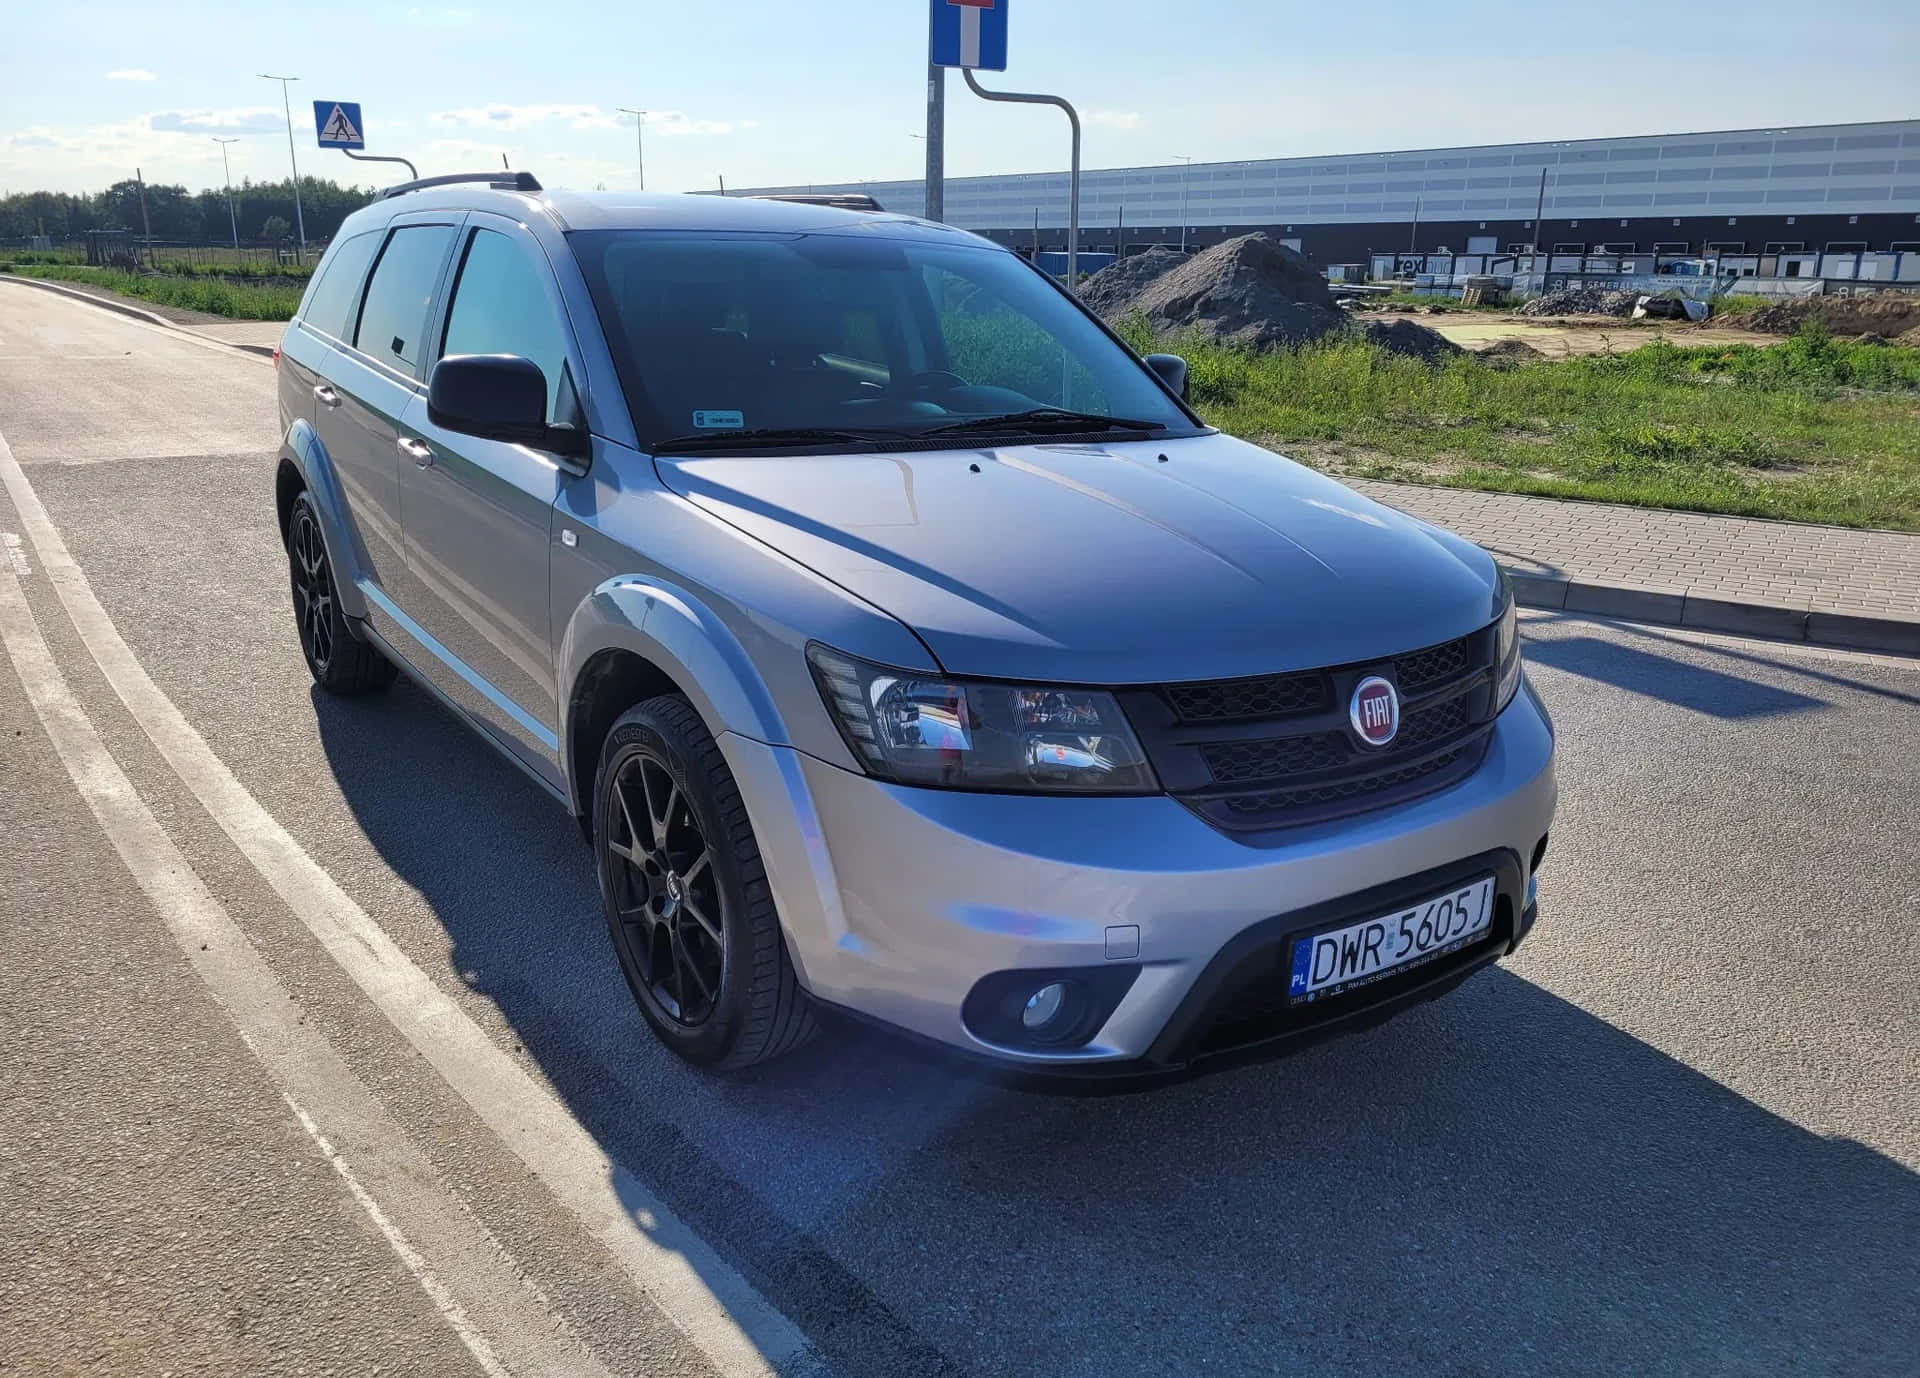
932	380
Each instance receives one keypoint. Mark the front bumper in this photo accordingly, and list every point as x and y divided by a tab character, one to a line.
897	901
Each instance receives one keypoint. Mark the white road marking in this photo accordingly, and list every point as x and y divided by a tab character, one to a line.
450	1310
296	1057
718	1311
16	554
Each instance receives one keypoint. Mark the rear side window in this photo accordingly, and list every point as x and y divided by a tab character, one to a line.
500	306
394	320
335	294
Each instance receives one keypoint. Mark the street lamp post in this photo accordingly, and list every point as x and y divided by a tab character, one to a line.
233	220
1185	173
639	140
299	219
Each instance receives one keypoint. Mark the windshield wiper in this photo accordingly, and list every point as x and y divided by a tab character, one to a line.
770	436
1042	419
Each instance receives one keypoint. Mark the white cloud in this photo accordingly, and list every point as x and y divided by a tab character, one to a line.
254	119
500	116
675	122
1128	120
130	74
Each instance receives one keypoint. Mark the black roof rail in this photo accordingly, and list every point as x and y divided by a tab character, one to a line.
500	181
839	200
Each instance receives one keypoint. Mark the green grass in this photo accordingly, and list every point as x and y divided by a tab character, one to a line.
242	300
1813	429
1422	300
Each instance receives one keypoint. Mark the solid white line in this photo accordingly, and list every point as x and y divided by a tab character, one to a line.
718	1311
450	1310
296	1057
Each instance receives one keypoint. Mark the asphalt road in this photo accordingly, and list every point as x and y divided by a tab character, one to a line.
1679	1132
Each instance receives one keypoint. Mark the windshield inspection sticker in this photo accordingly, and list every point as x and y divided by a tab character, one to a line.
718	421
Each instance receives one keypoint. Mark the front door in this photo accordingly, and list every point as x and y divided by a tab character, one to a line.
478	514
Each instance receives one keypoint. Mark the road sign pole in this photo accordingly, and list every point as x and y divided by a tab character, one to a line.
936	142
406	163
1073	177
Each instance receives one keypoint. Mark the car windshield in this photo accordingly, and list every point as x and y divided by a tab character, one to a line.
822	340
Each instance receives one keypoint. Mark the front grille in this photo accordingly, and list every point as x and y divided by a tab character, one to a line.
1273	751
1232	762
1424	669
1269	802
1229	700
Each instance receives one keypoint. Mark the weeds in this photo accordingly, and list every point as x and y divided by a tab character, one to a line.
243	301
1812	429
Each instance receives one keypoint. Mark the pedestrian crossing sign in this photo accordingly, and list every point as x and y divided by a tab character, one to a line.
339	124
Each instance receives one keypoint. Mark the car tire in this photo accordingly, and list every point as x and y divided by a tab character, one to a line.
678	865
341	663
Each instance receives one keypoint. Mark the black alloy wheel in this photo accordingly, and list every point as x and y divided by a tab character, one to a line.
340	661
685	891
313	597
665	891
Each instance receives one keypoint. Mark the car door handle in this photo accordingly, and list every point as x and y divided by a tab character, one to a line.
418	451
326	394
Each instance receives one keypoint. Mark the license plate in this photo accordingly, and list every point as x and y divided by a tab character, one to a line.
1342	958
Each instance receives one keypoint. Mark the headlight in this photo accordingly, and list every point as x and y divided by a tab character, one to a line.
921	729
1506	648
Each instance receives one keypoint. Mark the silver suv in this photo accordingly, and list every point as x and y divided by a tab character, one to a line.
904	644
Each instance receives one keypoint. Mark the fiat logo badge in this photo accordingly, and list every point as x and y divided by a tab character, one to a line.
1375	711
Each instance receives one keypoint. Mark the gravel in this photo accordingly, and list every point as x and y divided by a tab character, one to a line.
1581	301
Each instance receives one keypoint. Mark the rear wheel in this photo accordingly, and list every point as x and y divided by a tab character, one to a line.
340	661
686	897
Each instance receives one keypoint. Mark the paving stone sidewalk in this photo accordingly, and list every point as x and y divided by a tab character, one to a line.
1827	584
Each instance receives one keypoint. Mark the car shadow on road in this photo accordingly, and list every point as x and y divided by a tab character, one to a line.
1676	681
1498	1183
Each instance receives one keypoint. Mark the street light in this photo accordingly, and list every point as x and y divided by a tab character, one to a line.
639	139
1185	173
232	219
299	220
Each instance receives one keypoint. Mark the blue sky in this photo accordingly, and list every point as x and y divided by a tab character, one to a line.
767	91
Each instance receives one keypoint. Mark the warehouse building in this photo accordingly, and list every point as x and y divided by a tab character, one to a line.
1783	195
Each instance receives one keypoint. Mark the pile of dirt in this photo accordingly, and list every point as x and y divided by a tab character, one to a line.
1509	353
1109	291
1895	315
1405	337
1246	291
1250	291
1580	301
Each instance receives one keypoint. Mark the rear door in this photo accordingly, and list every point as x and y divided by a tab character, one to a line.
309	364
479	513
374	372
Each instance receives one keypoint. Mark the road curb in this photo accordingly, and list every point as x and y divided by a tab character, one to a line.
135	312
1676	606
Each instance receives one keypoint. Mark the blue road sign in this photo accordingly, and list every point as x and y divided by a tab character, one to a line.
969	33
338	123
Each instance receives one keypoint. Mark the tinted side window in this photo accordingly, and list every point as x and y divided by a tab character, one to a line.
500	306
335	294
395	316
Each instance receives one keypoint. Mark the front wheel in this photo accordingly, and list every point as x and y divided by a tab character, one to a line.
340	661
686	897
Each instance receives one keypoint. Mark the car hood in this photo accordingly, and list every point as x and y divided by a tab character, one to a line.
1123	563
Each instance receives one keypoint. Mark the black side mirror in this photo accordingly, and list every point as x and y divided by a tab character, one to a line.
1171	369
498	397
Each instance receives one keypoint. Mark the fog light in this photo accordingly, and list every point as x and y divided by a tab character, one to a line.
1044	1006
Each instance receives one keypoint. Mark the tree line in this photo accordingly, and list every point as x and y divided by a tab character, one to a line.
264	211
